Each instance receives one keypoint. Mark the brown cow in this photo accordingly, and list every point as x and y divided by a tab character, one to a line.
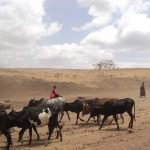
90	103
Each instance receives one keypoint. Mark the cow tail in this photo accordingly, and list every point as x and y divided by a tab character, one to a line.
134	111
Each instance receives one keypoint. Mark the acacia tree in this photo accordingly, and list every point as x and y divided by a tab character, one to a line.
105	64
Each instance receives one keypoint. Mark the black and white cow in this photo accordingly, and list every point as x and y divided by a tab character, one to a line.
113	108
4	127
32	117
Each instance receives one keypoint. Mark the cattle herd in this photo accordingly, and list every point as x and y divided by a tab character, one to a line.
46	112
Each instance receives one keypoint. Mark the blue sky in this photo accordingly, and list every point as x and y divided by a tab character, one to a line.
74	33
70	14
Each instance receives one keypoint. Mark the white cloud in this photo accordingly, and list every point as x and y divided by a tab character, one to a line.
102	12
134	30
130	64
125	28
53	28
21	25
105	36
96	23
128	32
118	25
21	21
70	55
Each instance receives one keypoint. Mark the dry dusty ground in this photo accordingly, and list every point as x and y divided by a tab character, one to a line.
19	85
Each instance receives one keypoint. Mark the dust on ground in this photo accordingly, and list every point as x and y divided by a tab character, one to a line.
19	85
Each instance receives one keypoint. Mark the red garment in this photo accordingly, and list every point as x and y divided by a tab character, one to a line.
53	94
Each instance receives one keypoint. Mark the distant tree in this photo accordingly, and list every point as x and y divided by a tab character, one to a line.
105	64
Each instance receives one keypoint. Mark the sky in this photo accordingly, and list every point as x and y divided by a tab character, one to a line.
74	33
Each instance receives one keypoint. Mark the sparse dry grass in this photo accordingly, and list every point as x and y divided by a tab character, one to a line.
19	85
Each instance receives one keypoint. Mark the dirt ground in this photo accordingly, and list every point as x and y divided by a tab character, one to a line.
19	85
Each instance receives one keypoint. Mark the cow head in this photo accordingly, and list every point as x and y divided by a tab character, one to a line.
32	102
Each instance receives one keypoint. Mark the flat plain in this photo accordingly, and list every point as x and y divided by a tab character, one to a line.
18	86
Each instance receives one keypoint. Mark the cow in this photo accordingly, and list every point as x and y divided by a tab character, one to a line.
79	105
20	120
31	117
113	108
75	106
90	103
4	128
55	103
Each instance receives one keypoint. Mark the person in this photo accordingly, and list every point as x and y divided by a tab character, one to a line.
53	93
142	90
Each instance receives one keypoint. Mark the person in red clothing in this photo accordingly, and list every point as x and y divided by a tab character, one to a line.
53	93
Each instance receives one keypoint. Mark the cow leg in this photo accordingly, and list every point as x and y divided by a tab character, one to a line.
116	120
111	121
52	124
51	129
98	119
88	119
131	121
129	126
68	115
57	136
94	120
8	137
104	119
30	134
21	133
62	114
35	130
116	116
59	133
122	118
78	118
